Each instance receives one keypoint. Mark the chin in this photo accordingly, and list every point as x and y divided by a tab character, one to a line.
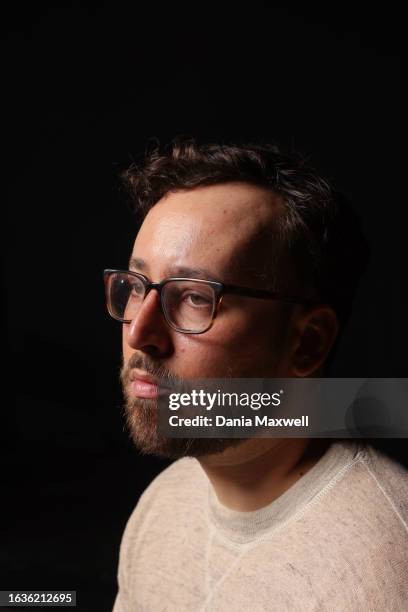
141	419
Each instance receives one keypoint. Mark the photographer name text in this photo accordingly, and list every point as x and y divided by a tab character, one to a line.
222	421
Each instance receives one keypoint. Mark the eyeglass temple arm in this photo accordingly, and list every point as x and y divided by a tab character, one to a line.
265	295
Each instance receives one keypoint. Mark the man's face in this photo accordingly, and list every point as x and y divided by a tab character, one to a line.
223	233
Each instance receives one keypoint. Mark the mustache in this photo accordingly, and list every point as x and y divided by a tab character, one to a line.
164	377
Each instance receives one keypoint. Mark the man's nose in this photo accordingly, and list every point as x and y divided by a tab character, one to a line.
148	331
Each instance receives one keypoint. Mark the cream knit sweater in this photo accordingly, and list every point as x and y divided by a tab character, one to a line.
336	541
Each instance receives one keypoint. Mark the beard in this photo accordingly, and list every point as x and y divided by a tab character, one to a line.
142	422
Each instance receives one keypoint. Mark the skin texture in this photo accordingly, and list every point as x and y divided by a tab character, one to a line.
225	229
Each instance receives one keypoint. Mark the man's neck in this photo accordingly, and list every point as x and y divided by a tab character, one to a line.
251	475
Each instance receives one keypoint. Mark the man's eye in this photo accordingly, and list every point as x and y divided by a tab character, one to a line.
196	299
137	289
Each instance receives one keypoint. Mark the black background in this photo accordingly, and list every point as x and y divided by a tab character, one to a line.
85	84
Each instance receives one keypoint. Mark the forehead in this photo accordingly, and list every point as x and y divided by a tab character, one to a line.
223	228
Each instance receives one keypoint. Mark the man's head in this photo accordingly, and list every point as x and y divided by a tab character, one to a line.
247	216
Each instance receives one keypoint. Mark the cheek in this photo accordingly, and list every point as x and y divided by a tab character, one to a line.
235	346
257	343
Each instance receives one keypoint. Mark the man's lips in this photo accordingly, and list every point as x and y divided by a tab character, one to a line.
144	385
140	388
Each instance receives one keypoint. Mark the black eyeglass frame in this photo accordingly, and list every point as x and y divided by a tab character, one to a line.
219	288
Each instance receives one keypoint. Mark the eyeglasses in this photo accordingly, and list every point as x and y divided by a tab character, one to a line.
189	305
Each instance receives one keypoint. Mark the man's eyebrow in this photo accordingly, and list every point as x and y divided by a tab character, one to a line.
137	262
187	272
176	271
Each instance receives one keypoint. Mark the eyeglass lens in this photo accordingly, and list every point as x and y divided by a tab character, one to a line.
188	305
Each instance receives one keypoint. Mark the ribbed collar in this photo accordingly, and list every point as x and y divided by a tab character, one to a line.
245	527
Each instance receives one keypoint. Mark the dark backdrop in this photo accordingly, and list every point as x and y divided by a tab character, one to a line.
85	84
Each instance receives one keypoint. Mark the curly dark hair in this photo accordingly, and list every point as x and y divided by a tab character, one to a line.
315	231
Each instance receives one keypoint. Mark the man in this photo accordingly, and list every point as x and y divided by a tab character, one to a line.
262	523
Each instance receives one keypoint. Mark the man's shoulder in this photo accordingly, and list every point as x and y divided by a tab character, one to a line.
183	482
390	477
368	495
363	512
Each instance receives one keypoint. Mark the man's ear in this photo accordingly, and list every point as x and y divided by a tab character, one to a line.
317	330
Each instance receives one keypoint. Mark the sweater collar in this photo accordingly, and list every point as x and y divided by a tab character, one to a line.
245	527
